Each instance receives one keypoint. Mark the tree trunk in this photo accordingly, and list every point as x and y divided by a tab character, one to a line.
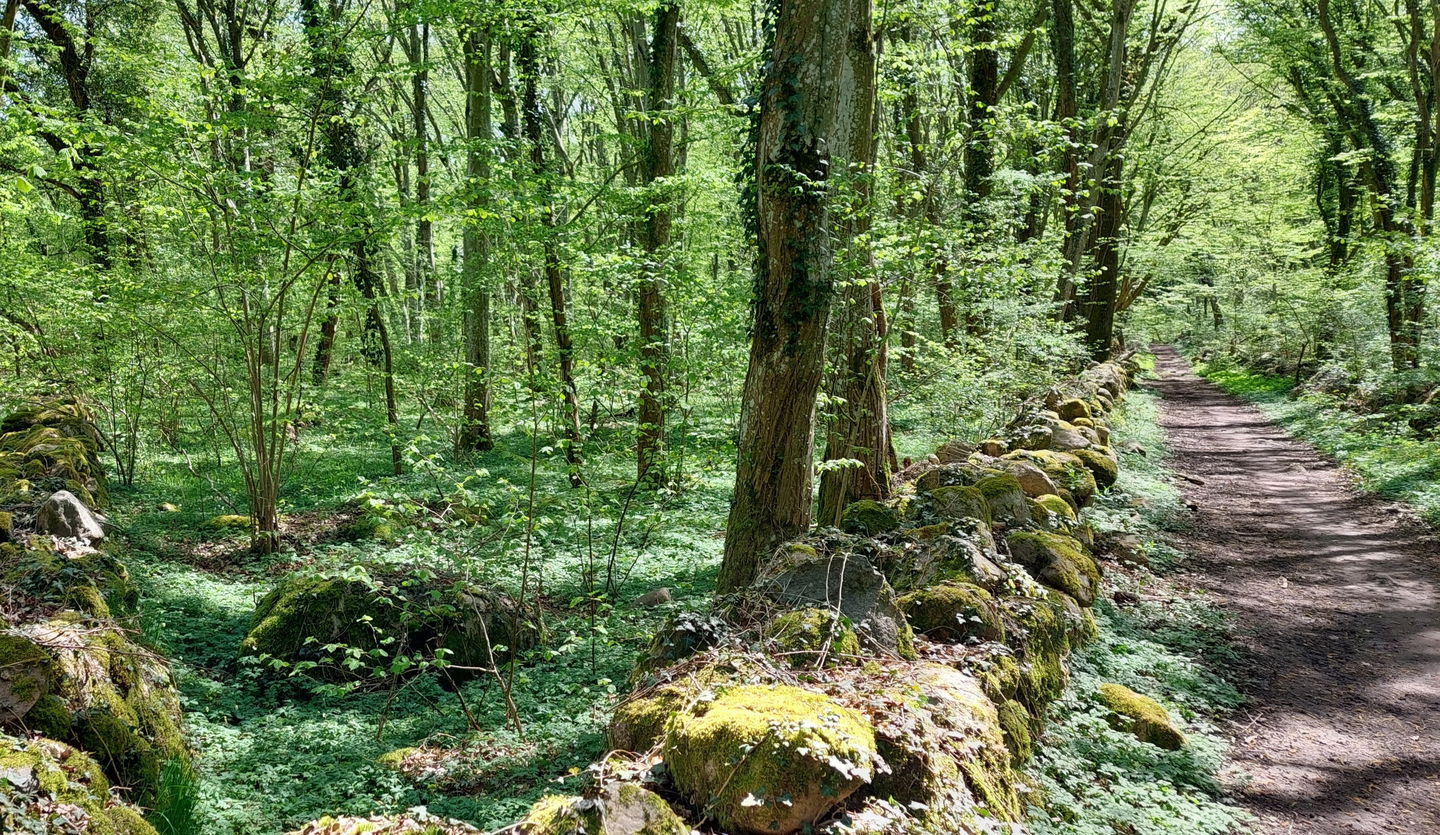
474	434
655	238
427	297
340	142
554	271
860	427
1062	45
816	93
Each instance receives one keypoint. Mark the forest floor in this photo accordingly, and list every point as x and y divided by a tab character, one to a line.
1335	598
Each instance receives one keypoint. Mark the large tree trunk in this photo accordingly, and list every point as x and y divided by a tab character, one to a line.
860	427
76	60
655	238
474	435
1101	290
817	92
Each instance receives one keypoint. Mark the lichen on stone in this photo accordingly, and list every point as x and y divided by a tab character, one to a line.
814	635
764	759
868	517
954	611
1142	716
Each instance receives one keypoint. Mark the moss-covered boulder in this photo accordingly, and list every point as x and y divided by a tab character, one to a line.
638	723
51	787
868	517
227	523
841	578
1142	716
1073	409
814	636
89	581
1057	506
769	759
1100	465
1005	498
1058	561
621	809
958	705
1039	633
308	615
963	550
954	611
99	691
51	445
951	503
1066	470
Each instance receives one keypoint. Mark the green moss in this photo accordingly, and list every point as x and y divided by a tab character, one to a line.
954	503
905	642
369	527
328	609
631	809
1058	561
1006	498
953	611
1146	718
999	676
395	759
868	517
748	752
69	781
1042	640
1015	722
1100	465
1058	506
49	717
227	523
1072	409
806	636
959	706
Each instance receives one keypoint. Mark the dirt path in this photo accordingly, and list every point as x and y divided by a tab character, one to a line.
1337	601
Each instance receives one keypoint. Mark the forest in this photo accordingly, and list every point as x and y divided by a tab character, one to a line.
655	417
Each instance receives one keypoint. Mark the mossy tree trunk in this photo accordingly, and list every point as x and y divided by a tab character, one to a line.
859	429
818	91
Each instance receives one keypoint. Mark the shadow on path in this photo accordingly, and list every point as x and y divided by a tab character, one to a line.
1337	602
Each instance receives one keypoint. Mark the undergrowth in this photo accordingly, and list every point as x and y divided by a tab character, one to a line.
1386	456
1166	642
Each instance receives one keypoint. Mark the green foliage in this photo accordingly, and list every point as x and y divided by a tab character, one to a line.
1095	779
1388	454
176	798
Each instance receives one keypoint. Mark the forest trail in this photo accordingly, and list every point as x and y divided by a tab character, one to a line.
1335	599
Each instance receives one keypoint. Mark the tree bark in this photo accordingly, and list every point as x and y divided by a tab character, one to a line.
655	240
474	434
816	93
